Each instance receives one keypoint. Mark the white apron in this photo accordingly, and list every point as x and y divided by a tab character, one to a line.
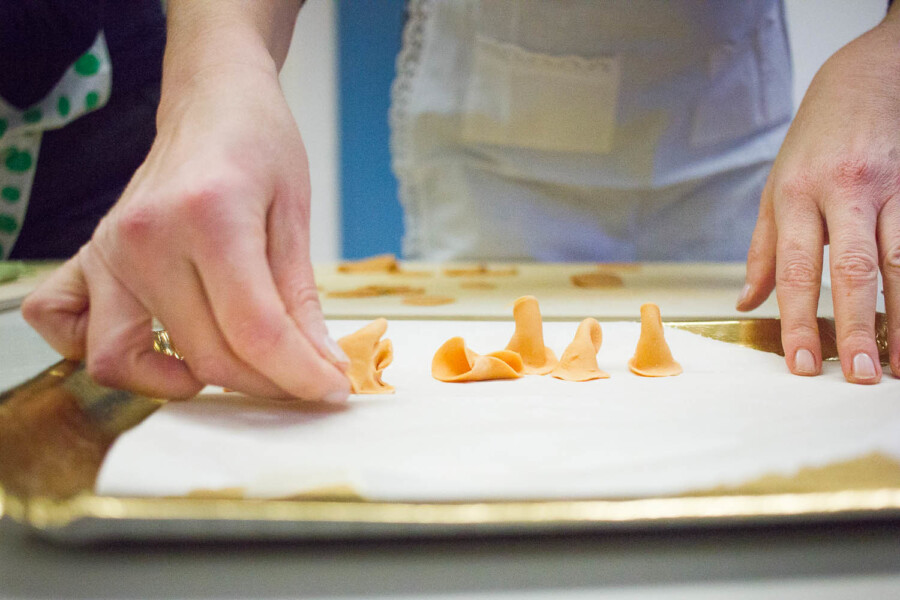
587	129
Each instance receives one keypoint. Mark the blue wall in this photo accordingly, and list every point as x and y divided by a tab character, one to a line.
369	36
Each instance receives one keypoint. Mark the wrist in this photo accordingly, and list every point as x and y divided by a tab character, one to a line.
214	41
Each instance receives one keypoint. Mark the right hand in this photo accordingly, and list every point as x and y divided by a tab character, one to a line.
211	236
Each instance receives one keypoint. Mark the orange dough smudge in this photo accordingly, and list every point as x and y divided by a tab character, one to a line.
454	363
382	263
579	361
528	339
369	356
652	357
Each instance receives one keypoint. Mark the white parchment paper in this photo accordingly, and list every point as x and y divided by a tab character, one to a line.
735	414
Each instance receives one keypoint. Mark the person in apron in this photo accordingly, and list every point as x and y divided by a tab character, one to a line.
536	129
587	130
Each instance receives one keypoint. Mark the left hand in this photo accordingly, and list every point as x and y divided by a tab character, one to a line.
836	180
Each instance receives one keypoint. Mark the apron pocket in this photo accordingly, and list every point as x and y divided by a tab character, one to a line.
523	99
749	86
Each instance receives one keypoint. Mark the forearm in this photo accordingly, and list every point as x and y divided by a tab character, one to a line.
206	36
893	9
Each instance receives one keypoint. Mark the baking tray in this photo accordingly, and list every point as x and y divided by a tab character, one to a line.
56	429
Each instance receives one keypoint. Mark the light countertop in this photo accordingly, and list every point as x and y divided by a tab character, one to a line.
835	561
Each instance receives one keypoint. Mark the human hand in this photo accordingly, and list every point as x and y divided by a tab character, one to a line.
836	180
210	237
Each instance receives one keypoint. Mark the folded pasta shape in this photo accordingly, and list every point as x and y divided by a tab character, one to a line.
579	361
454	363
369	357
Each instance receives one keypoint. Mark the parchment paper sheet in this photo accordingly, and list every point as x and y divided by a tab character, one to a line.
734	415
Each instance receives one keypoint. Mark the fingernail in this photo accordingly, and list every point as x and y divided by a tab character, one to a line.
863	366
745	293
339	397
804	362
337	353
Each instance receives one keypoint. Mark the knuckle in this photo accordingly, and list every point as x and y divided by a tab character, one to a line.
137	223
305	300
798	272
890	261
758	253
208	368
800	330
107	369
853	172
854	268
204	204
259	336
35	309
799	188
857	333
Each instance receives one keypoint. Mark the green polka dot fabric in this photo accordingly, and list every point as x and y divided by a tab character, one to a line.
83	88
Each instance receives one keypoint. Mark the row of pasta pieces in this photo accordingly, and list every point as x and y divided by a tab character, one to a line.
525	354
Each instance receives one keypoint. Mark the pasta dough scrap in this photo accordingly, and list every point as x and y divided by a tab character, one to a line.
528	339
579	361
454	363
427	300
597	279
371	291
382	263
478	285
369	356
481	269
652	357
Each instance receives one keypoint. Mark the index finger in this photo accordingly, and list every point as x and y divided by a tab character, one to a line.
798	274
854	285
57	309
237	277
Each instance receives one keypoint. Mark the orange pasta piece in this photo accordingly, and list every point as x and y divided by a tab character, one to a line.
455	363
369	356
652	357
579	361
528	339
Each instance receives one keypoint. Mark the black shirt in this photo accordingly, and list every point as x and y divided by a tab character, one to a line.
83	167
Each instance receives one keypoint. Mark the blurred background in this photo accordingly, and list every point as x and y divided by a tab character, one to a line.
337	79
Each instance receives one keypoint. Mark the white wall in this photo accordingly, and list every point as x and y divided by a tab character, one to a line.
309	80
817	28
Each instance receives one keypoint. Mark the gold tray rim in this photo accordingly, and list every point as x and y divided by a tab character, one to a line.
338	518
325	518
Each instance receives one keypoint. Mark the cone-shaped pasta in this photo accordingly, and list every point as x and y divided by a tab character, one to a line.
455	363
528	339
652	357
369	356
579	361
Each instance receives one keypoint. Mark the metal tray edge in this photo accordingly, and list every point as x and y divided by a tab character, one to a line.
87	517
